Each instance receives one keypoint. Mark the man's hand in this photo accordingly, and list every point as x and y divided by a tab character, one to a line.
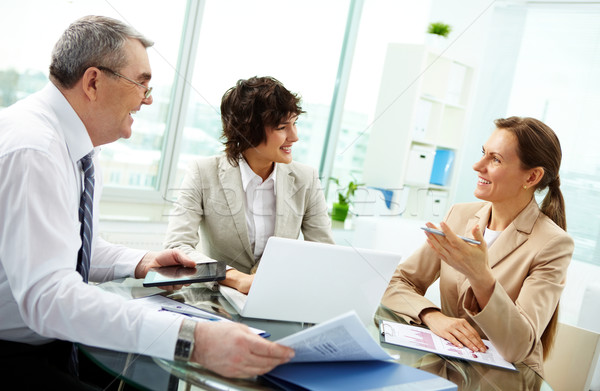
163	258
456	330
232	350
238	280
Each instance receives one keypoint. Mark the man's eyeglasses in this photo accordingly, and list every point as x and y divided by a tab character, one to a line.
148	89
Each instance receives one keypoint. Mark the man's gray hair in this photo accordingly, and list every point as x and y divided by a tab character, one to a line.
91	41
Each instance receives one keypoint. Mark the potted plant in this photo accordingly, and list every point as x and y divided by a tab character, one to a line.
439	28
437	32
339	211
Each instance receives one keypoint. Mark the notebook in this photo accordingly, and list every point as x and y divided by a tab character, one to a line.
304	281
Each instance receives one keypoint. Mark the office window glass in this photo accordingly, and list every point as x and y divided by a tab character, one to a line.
26	51
382	22
297	43
558	81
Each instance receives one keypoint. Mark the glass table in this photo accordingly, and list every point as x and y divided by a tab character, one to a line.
148	373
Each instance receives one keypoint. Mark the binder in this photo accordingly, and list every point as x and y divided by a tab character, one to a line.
420	162
356	375
442	167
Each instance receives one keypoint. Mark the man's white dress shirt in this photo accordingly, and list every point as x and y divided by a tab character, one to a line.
260	206
42	296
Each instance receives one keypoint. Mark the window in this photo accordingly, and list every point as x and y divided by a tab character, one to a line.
201	49
25	64
298	44
557	80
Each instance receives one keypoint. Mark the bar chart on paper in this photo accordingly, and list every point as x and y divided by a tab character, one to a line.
423	339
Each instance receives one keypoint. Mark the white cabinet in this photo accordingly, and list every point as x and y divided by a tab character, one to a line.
421	109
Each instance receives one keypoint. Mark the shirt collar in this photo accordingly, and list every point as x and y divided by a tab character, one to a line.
76	136
248	175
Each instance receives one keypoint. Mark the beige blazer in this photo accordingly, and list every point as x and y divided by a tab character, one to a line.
529	260
211	210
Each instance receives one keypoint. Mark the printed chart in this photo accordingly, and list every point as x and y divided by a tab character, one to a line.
423	339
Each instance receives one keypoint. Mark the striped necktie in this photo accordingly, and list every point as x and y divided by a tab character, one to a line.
85	218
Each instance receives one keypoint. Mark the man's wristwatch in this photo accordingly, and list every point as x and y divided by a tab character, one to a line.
185	340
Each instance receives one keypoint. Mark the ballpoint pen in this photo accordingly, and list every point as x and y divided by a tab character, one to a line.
438	232
192	312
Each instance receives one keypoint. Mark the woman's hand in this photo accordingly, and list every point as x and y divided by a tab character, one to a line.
458	331
238	280
468	259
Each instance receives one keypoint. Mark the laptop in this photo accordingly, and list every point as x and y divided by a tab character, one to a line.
304	281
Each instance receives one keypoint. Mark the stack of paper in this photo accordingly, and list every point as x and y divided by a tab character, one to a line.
423	339
340	354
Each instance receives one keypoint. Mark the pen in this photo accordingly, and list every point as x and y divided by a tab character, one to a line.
206	315
191	312
438	232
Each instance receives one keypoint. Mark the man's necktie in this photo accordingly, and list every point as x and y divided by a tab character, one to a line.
85	217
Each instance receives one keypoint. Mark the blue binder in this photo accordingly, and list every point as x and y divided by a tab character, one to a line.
442	167
355	375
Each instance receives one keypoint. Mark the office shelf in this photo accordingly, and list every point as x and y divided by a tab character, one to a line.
421	108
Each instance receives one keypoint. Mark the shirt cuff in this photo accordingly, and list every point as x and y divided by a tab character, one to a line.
124	265
158	334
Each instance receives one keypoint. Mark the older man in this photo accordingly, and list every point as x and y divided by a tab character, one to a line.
48	245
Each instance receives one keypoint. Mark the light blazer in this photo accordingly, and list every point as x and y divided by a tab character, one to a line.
529	260
212	199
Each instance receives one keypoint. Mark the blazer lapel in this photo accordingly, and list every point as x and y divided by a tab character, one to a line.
480	218
285	202
231	183
515	234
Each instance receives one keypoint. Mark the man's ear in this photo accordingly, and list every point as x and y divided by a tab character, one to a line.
90	82
535	176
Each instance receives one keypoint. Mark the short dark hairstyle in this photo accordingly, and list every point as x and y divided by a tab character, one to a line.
91	41
248	107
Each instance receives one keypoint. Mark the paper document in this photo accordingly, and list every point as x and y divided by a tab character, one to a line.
423	339
236	298
343	338
161	303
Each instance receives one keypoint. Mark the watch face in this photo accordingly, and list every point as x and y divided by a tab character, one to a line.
185	340
183	349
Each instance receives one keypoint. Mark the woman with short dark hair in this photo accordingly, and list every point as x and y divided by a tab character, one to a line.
252	192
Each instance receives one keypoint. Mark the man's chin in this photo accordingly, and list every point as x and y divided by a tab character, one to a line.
126	134
110	140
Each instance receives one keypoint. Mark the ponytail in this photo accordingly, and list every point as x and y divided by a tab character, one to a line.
553	204
549	334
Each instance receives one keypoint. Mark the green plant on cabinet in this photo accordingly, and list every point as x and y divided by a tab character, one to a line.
439	28
339	210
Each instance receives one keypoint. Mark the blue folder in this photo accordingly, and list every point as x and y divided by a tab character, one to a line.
355	375
442	167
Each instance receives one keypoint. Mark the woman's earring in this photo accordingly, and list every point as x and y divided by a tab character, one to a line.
524	187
